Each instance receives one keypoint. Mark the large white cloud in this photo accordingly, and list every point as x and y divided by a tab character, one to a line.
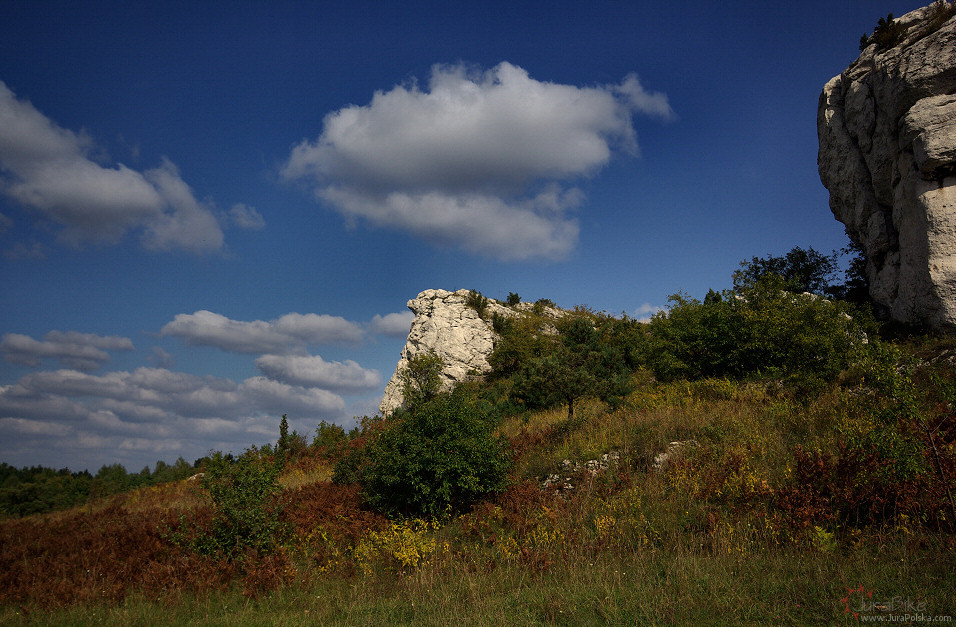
84	351
289	333
49	169
465	161
313	371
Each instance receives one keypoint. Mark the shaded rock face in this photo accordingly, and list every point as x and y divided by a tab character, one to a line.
887	130
445	325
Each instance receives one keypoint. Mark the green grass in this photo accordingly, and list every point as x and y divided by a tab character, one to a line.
682	585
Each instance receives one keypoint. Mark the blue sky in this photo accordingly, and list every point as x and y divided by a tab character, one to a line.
211	215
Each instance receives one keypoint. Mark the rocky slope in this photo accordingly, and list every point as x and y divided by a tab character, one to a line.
887	129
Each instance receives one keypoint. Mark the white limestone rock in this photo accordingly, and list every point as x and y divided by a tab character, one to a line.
887	130
446	325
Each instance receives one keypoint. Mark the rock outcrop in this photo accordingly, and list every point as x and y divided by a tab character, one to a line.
887	130
448	326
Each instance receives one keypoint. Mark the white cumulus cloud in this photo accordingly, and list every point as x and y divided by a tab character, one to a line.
49	169
313	371
288	333
394	324
478	160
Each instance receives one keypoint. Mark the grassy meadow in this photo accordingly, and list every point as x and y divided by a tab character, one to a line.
728	532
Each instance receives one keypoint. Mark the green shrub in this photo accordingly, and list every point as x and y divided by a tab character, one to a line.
513	299
541	304
477	302
761	330
695	340
887	34
329	437
433	460
421	378
519	339
502	325
246	507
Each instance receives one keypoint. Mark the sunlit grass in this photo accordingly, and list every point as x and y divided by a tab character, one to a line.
299	477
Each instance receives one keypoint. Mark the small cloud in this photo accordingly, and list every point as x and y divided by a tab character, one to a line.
314	372
161	359
651	103
646	311
393	324
22	251
246	217
83	351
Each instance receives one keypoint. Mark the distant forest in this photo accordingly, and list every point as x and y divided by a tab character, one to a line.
37	489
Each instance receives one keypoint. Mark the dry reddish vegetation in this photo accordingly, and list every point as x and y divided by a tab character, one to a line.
85	556
90	555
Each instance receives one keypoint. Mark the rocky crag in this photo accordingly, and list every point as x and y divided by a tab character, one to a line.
448	326
887	129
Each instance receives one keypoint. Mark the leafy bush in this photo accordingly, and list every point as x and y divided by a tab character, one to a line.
887	34
477	302
434	459
761	330
513	299
421	378
329	438
519	339
802	271
246	508
402	546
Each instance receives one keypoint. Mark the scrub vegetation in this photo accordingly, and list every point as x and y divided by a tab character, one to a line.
764	455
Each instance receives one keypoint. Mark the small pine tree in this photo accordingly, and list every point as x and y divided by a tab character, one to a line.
283	445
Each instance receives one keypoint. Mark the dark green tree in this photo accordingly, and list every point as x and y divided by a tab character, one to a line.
802	270
856	284
575	364
282	445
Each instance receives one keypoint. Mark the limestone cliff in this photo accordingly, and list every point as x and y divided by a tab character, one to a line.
887	130
446	325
